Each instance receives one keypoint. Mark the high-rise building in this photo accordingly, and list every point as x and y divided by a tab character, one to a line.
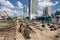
45	11
47	8
32	8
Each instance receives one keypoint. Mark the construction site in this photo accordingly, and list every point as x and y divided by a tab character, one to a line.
31	27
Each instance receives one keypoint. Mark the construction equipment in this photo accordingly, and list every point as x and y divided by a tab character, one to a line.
8	17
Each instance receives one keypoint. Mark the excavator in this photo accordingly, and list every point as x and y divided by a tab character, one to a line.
8	17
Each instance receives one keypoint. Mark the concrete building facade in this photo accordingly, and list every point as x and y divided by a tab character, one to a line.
47	9
32	8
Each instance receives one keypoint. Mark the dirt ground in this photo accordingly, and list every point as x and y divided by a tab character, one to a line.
6	31
46	34
34	30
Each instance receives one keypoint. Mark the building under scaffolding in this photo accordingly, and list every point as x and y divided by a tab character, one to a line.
47	9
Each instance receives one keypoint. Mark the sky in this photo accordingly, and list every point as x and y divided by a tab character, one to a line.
16	6
54	8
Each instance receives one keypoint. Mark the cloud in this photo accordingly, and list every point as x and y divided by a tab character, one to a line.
20	5
44	3
39	0
40	13
57	2
57	10
47	3
15	13
6	9
27	9
2	0
9	11
6	3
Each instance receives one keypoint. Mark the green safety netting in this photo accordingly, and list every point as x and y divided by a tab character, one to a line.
46	19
